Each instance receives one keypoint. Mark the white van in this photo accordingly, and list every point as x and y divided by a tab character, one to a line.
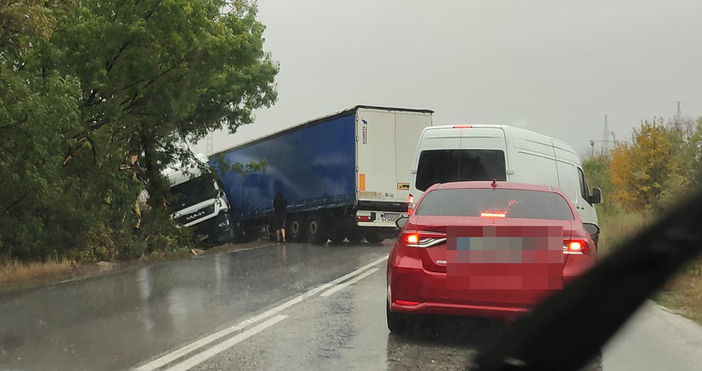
500	152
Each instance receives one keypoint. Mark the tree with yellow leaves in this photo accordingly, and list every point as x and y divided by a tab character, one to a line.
639	170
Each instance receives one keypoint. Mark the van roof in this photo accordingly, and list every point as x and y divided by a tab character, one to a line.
506	128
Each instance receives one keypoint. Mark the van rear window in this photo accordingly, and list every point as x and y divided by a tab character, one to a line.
505	203
456	165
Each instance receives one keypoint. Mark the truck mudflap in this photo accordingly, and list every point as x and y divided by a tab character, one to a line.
378	218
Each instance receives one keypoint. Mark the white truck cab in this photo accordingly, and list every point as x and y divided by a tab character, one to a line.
501	152
200	203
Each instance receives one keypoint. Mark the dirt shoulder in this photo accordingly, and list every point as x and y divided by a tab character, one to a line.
15	276
683	295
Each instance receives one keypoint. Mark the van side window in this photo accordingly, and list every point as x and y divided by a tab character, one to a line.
443	166
584	189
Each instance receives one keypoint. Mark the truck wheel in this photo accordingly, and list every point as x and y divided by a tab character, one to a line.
355	236
337	236
297	230
374	237
315	230
248	234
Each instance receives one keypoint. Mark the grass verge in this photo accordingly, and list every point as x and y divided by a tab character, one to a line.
683	294
15	275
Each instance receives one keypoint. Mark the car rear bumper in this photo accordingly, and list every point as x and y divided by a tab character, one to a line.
468	310
419	291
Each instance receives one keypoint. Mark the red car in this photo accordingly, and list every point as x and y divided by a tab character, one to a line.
484	249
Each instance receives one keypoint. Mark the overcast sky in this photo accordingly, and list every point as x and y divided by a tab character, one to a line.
552	66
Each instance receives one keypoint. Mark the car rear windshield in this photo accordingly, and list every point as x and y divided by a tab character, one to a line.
443	166
507	203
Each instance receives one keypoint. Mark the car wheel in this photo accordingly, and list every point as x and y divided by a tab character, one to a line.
315	231
398	323
374	237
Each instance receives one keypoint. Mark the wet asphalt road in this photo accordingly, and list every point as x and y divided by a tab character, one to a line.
295	307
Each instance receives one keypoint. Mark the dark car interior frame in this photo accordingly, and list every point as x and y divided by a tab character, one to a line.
570	327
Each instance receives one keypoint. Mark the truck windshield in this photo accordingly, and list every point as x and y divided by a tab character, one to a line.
192	192
454	165
498	203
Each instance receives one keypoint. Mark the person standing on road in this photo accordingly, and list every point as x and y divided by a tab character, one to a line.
280	206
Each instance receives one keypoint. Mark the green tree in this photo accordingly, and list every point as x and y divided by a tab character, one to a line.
639	171
96	96
37	109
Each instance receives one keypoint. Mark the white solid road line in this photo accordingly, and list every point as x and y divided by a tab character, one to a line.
349	282
180	352
221	347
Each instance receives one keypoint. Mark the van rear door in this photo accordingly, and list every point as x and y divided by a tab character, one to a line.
386	141
479	153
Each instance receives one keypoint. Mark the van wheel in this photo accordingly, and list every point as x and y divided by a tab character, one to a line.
297	230
374	237
315	230
398	323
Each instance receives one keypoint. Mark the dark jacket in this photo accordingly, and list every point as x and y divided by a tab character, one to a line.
280	205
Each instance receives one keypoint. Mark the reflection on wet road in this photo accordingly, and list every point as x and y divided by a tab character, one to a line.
298	307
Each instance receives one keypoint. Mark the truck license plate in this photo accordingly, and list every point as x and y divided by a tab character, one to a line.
389	217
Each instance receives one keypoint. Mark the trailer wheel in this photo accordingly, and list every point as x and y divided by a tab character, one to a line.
315	230
374	237
355	235
297	230
338	236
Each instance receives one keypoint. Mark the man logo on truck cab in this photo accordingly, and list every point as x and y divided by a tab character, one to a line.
364	129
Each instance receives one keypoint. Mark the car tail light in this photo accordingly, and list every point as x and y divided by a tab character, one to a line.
576	247
363	218
422	239
410	205
493	214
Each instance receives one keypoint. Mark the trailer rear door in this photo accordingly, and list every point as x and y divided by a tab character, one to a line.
386	142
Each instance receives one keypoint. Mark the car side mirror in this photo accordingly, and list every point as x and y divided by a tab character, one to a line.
596	196
592	229
400	222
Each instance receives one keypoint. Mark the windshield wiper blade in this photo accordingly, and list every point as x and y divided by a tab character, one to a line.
571	326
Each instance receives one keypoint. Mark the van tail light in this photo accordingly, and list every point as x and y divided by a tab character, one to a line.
576	247
363	218
410	205
422	239
462	126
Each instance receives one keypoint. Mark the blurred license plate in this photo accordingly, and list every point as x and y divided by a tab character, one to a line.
390	217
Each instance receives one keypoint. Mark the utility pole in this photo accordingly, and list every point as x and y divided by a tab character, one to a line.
678	115
608	138
605	137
